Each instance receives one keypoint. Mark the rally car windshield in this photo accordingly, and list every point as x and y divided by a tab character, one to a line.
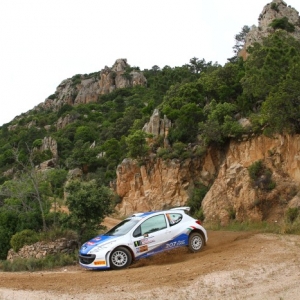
123	227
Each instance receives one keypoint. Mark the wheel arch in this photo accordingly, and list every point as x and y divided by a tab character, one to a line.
124	246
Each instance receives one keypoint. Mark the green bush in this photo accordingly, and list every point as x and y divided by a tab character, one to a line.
52	97
195	201
282	23
291	214
255	169
164	153
261	176
25	237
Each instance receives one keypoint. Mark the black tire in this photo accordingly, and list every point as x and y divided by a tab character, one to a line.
120	258
196	242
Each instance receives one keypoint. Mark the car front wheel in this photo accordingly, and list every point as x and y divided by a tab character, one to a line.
120	258
196	242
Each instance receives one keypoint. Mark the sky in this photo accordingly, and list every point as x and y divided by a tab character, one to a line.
43	42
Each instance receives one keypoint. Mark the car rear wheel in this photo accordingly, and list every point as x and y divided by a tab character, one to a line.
196	242
120	258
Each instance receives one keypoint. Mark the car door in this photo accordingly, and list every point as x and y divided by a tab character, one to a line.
177	235
150	236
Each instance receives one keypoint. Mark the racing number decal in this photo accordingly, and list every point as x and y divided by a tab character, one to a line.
174	244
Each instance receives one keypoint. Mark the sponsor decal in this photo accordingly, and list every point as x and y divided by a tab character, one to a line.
190	228
142	249
147	241
100	263
90	243
143	242
97	238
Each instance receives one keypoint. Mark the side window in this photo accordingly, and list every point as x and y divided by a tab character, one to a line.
153	224
137	232
174	218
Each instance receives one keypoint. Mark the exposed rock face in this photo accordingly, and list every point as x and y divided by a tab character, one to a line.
87	91
276	9
50	144
82	89
232	190
159	184
64	121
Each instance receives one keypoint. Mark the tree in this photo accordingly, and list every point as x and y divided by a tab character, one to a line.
137	145
113	151
268	64
34	178
88	203
280	112
223	83
186	125
56	179
85	134
84	156
240	39
220	123
197	65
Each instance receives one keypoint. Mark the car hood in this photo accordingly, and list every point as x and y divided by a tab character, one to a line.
98	240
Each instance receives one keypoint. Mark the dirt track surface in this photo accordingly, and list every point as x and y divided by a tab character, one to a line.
233	265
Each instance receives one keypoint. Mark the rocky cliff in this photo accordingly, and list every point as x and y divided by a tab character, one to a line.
81	89
159	184
277	9
234	192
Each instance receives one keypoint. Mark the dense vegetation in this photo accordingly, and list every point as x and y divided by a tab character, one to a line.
204	101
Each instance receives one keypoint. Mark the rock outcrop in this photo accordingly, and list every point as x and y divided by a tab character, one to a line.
277	9
81	89
157	126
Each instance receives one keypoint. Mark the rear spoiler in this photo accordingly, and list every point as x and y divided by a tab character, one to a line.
187	208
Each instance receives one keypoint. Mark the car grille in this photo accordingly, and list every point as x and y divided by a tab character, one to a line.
87	259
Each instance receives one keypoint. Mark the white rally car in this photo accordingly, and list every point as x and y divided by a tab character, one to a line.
143	235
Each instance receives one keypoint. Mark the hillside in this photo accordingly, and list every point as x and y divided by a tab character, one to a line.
222	139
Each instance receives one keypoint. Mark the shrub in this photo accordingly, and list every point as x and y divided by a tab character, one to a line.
200	215
164	153
291	214
231	213
261	176
282	23
52	97
195	201
25	237
255	169
275	7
